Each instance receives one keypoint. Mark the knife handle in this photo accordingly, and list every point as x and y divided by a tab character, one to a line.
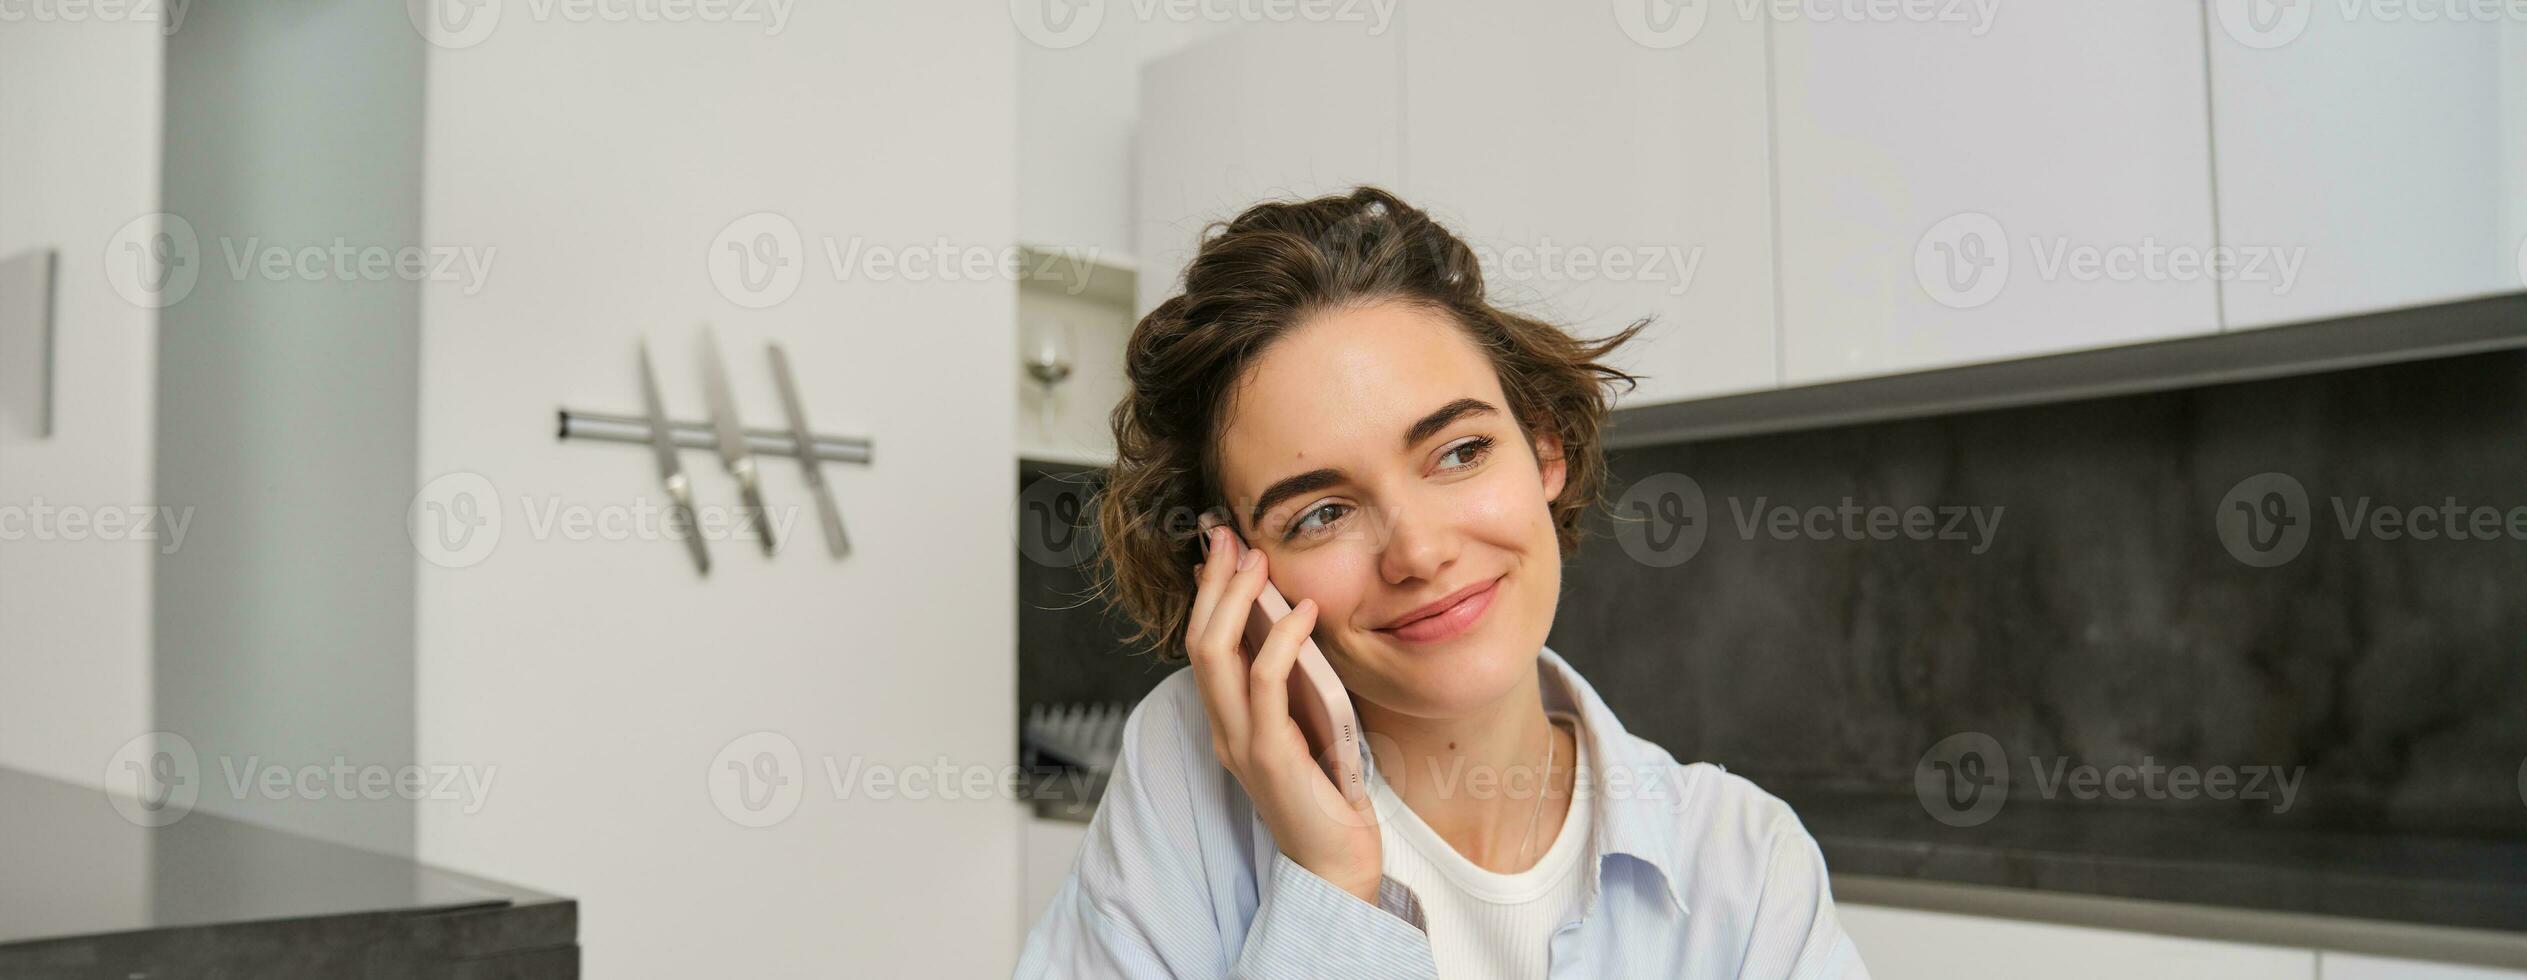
684	524
752	490
836	541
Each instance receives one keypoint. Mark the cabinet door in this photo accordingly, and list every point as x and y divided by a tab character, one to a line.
1973	187
1264	111
1903	944
2367	146
1606	171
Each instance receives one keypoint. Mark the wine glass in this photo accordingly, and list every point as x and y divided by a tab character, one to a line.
1048	352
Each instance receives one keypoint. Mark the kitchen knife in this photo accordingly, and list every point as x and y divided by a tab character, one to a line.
732	437
671	467
827	513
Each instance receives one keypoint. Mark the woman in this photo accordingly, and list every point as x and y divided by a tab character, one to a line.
1409	465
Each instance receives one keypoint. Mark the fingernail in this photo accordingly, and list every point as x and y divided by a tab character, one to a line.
1247	560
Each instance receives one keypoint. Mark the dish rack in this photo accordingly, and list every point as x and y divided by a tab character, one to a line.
1068	751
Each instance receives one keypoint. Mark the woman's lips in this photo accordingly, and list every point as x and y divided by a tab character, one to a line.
1450	621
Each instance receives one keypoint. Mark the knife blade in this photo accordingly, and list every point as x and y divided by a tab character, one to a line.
671	467
732	437
828	513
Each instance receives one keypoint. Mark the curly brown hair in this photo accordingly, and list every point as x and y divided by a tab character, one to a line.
1255	277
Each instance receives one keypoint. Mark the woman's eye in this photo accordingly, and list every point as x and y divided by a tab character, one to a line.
1307	523
1473	449
1316	521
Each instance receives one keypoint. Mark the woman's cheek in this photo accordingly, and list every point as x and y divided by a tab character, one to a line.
1326	579
1502	510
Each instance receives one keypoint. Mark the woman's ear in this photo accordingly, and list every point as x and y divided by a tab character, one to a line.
1550	464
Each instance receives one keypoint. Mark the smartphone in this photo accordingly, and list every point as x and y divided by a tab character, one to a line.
1318	701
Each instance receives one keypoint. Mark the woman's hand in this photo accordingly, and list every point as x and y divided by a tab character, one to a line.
1252	732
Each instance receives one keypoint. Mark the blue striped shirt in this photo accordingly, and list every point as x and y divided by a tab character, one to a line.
1693	872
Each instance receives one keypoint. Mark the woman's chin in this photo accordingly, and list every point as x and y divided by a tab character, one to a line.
1470	679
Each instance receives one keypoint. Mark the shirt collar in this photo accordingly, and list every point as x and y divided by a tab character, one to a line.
1635	824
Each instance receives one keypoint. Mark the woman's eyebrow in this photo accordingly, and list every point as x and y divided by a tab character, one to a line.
1431	424
1318	479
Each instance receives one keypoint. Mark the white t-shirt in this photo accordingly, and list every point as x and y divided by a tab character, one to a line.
1482	923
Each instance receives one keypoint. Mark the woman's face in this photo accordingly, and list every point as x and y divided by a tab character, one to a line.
1390	475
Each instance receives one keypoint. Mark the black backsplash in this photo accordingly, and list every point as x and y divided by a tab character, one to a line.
2104	619
1071	647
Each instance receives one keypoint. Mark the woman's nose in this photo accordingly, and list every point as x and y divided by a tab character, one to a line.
1419	543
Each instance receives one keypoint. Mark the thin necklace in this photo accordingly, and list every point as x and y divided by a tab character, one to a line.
1541	783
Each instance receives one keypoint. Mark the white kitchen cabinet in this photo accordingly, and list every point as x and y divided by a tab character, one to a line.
2346	966
2367	142
1263	111
1903	944
1959	191
1605	175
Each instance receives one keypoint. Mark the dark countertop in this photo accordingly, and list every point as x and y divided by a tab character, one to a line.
85	892
2153	853
2204	874
2200	858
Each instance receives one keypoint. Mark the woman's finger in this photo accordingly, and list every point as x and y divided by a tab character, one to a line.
1214	568
1219	675
1268	681
1223	637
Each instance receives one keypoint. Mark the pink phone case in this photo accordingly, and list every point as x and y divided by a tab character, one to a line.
1318	701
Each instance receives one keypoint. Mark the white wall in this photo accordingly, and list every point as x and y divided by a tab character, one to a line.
79	111
1078	94
601	677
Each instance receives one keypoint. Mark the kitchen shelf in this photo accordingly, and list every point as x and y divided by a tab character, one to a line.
2442	330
